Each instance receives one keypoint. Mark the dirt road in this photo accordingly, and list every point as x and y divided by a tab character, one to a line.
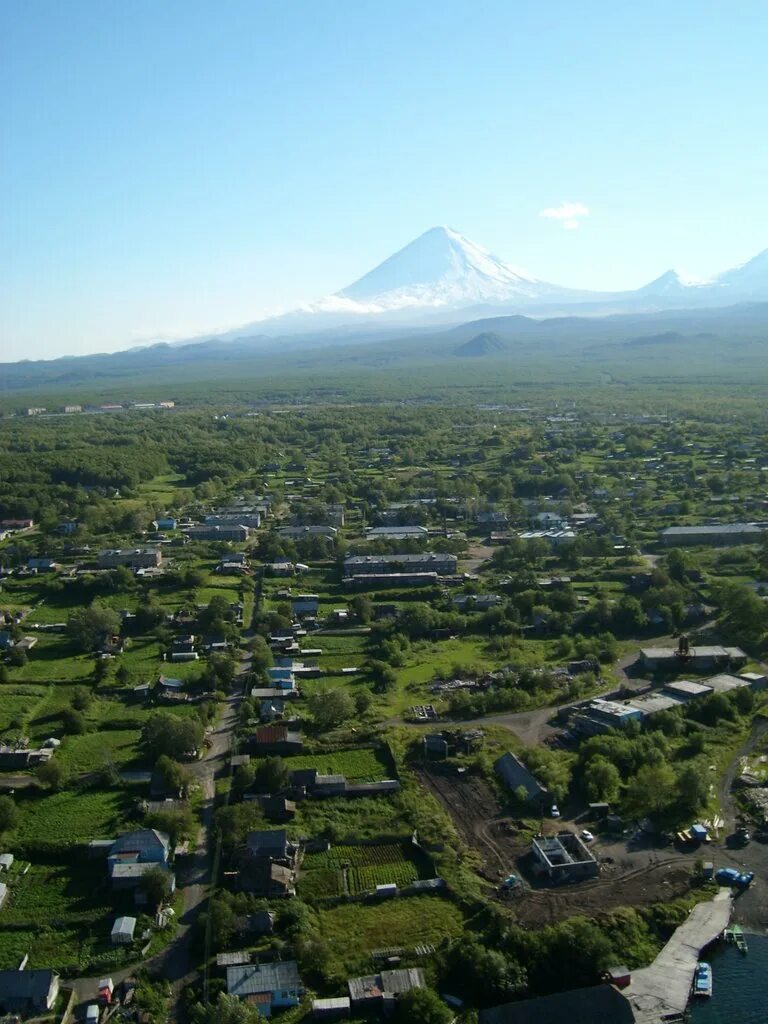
179	963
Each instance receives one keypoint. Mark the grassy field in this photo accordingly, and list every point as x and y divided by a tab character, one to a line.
361	765
93	751
50	893
353	931
340	818
355	870
59	821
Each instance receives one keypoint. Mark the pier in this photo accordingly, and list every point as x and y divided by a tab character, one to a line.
661	991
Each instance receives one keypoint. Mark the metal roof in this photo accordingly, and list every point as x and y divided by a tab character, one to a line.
25	984
253	979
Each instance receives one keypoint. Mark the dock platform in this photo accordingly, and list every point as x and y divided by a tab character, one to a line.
661	990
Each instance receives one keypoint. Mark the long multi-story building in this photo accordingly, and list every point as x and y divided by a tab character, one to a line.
133	558
210	531
377	565
713	535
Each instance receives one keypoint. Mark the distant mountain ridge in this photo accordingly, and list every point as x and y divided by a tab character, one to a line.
442	278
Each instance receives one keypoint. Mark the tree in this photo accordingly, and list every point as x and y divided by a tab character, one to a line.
177	825
261	654
73	722
384	678
362	607
8	813
271	775
51	774
652	789
362	701
422	1006
602	779
175	777
156	884
330	708
165	733
244	777
226	1010
693	786
88	626
223	923
81	698
17	656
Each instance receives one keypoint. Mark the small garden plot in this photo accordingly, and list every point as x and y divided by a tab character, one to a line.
361	880
364	764
355	870
60	821
57	893
54	659
353	931
14	707
319	883
341	818
93	751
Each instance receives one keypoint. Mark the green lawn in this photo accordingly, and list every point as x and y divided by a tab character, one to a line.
54	659
353	931
358	765
94	751
59	821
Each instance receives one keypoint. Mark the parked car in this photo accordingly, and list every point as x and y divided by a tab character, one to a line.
586	835
555	811
730	876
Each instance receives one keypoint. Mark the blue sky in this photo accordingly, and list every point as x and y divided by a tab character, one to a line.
171	167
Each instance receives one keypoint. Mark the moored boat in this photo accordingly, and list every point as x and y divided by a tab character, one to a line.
702	981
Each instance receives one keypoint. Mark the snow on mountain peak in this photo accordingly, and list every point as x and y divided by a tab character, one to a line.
440	268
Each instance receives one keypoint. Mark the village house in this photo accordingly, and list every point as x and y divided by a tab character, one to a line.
275	739
133	854
28	992
305	604
266	986
267	865
515	776
380	991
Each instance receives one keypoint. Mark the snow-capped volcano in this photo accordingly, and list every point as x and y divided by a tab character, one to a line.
442	276
440	268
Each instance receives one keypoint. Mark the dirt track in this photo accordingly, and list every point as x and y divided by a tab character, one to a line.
637	874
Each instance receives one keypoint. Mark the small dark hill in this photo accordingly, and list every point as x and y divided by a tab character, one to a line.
666	338
485	344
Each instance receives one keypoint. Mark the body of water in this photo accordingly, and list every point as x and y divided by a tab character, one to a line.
739	985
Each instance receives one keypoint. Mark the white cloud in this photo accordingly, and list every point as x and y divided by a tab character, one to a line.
569	214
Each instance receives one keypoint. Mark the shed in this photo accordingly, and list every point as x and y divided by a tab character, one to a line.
6	861
325	1009
3	893
620	976
122	931
387	890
